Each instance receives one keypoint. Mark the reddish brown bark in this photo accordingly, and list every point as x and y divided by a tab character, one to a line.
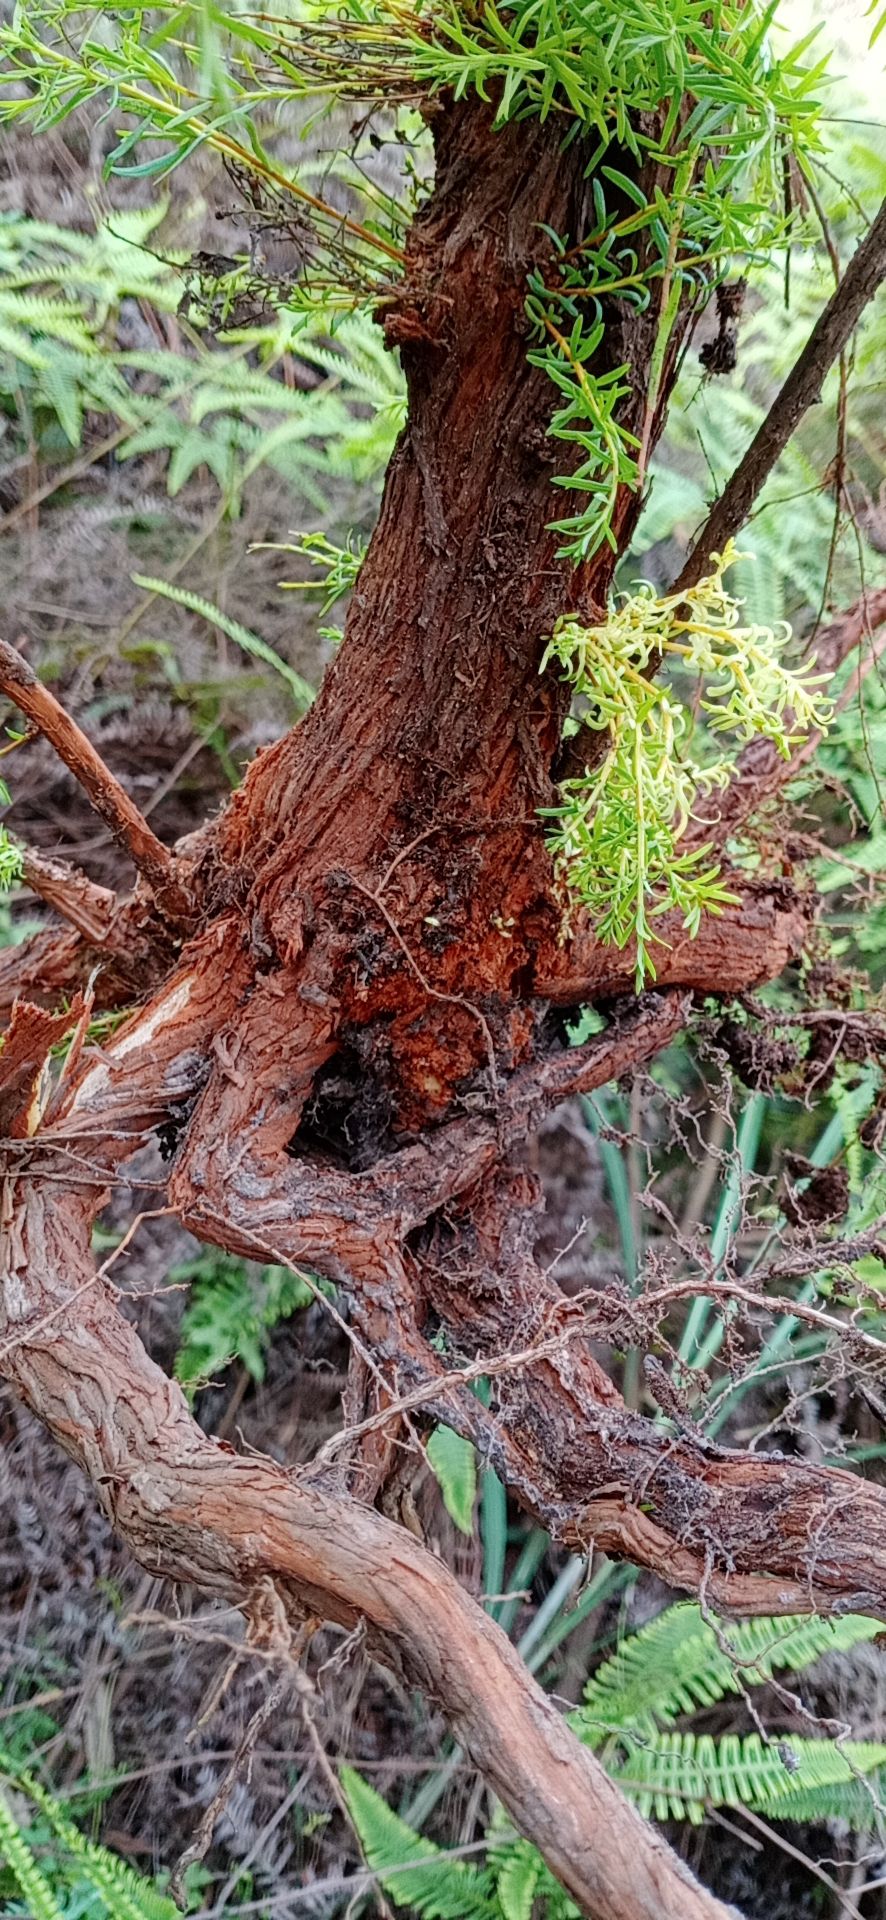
379	895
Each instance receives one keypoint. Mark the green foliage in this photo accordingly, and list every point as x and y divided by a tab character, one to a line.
302	693
60	297
684	1774
223	407
231	1314
218	404
608	65
804	557
413	1871
10	856
338	566
619	825
240	72
677	1664
604	69
588	420
517	1880
669	248
23	1867
582	59
454	1464
672	1667
58	1873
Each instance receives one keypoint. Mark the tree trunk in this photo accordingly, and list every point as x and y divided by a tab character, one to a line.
355	1041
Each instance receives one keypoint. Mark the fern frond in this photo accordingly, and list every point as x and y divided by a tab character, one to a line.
676	1665
22	350
126	1894
853	1800
302	693
525	1887
249	387
14	1849
412	1870
679	1776
516	1881
56	318
356	355
231	1315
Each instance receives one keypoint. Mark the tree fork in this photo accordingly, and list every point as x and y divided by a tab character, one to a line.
434	731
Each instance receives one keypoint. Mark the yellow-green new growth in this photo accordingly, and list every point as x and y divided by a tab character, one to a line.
10	854
617	831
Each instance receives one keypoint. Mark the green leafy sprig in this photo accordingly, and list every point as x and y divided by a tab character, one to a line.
10	854
337	566
618	826
609	66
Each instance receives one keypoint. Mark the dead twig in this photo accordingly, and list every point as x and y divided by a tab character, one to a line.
158	867
802	388
202	1840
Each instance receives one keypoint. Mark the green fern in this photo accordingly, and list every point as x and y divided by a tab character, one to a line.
669	1668
676	1664
71	1865
853	1800
355	355
302	693
517	1879
680	1776
61	294
231	1314
22	1864
413	1871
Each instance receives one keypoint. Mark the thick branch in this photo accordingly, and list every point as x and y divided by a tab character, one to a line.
802	388
757	1534
129	827
190	1507
750	943
199	1513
